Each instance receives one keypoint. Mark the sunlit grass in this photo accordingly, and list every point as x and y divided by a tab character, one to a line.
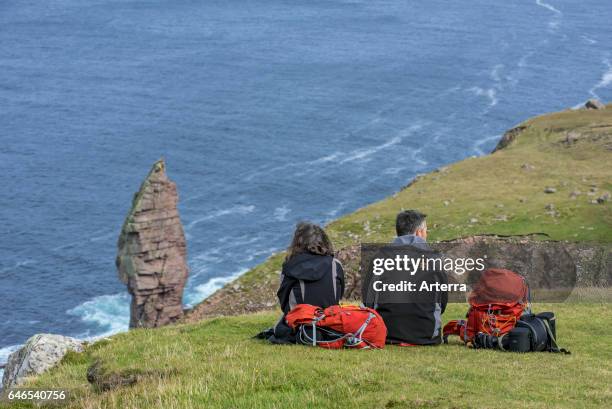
216	364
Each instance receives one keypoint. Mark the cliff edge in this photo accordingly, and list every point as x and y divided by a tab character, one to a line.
548	177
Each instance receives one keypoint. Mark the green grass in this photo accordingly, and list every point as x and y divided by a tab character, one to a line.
216	364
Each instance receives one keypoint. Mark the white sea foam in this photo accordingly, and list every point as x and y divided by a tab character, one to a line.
17	265
416	158
495	72
605	81
554	23
327	158
489	93
101	237
334	212
478	145
393	171
588	39
4	354
548	6
252	255
239	209
280	213
202	291
110	313
364	153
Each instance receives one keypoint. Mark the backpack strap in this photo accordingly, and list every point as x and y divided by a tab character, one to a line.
334	277
553	342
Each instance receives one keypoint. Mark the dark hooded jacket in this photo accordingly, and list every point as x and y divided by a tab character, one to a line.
311	279
416	323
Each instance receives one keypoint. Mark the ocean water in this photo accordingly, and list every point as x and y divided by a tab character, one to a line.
266	113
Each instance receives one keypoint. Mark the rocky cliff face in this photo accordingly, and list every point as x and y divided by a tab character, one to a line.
151	257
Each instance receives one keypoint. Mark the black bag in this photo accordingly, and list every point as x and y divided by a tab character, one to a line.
542	331
532	333
519	340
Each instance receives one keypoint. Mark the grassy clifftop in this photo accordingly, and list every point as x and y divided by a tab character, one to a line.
214	363
504	193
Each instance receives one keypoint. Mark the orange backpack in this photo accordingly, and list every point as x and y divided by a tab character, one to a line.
496	304
337	326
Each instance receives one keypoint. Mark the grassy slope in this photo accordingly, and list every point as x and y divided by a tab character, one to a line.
215	364
476	188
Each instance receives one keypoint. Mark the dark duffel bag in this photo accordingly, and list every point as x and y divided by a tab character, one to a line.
532	333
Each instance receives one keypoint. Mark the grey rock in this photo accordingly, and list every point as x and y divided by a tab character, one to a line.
527	166
603	198
550	189
594	103
40	352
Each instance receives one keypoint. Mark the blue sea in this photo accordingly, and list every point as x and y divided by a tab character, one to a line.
267	113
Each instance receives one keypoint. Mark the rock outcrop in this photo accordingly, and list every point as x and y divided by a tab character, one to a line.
151	256
509	137
40	352
594	104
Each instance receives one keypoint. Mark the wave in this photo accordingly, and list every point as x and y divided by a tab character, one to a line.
18	265
280	213
605	81
254	254
416	158
588	39
4	354
109	313
364	153
489	93
202	291
367	152
548	7
495	72
239	209
554	23
480	142
336	210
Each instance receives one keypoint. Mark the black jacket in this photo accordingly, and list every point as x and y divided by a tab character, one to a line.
311	279
417	323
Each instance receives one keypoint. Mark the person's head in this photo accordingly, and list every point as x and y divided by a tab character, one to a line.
309	238
411	222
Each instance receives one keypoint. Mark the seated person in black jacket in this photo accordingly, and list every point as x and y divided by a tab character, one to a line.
415	323
310	275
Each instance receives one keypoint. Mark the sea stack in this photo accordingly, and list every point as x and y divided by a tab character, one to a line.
152	254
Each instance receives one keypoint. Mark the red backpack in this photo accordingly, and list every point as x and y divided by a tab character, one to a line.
497	302
338	326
